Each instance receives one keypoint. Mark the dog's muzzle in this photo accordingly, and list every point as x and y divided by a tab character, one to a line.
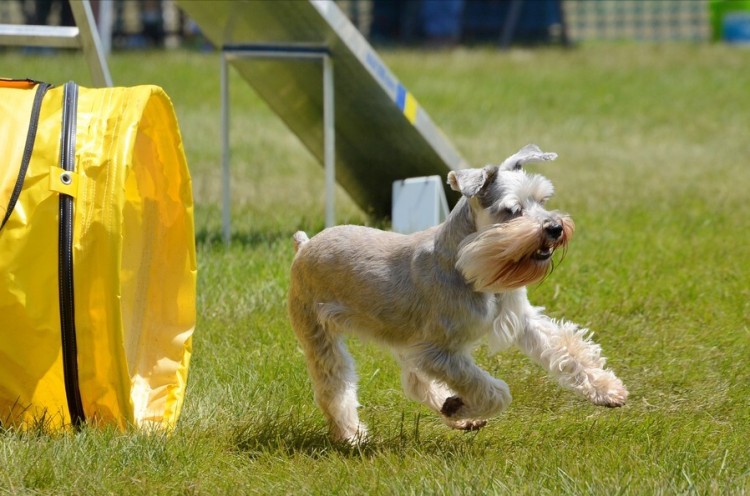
514	254
553	231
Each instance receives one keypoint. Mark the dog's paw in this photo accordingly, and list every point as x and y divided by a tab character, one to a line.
466	424
451	405
609	391
353	436
612	399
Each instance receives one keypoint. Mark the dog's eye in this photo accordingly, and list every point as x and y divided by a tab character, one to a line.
512	211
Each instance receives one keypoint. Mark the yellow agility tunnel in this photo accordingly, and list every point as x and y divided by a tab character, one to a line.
97	257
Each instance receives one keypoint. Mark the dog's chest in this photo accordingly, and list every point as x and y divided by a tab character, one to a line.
469	319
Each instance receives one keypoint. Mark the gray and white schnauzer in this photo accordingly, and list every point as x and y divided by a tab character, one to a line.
431	297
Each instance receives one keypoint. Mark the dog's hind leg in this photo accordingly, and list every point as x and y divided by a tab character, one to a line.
334	379
569	354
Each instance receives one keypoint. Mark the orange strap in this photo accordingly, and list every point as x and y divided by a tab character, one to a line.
24	84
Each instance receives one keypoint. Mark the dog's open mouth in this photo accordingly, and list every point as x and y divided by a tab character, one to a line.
543	253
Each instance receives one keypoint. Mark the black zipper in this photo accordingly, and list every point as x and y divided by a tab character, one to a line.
28	148
65	262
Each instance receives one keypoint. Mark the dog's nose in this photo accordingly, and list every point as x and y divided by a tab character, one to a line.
553	230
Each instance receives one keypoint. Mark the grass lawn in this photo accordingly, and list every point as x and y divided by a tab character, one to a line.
654	167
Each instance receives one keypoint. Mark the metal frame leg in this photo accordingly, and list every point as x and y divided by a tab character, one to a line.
329	145
91	43
329	125
225	179
83	36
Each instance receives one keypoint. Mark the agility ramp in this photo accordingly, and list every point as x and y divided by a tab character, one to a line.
381	133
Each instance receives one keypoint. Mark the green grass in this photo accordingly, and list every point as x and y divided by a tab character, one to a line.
654	167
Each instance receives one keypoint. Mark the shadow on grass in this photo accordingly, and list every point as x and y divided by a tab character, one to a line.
291	435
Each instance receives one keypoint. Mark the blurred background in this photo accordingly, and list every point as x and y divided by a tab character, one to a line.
649	115
138	24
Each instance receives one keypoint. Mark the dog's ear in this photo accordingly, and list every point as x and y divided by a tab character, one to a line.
527	154
469	182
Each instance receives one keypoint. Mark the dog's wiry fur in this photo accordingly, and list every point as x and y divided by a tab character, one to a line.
433	296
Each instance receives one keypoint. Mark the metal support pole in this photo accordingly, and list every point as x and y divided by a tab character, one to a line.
91	44
514	12
272	51
104	23
84	36
329	136
225	181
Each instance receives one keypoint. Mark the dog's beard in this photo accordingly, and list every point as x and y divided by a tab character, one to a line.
507	256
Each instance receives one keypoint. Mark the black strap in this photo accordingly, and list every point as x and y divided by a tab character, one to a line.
28	148
65	269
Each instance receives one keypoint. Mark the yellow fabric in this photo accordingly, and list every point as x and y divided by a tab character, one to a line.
133	258
13	128
63	181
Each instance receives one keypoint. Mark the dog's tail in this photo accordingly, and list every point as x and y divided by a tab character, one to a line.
300	238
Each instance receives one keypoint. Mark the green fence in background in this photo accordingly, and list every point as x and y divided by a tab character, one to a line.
640	20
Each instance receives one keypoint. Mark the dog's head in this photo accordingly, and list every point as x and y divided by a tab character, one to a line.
515	235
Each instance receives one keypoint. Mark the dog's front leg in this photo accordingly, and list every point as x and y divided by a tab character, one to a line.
478	395
570	355
432	393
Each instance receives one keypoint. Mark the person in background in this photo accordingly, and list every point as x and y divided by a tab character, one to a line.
441	21
42	10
